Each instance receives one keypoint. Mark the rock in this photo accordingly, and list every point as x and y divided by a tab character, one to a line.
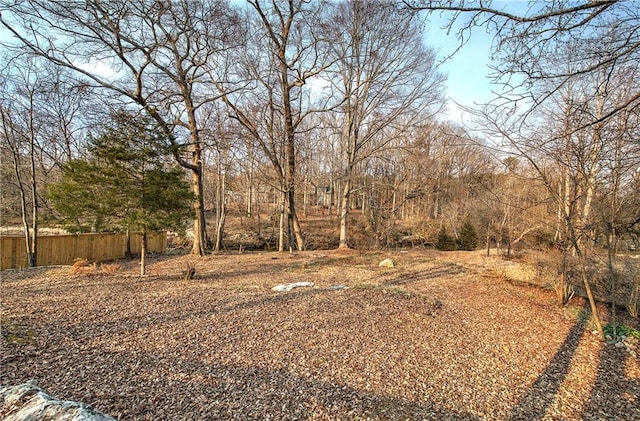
619	345
387	263
337	287
289	287
28	402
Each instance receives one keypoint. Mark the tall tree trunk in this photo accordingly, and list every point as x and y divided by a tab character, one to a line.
290	159
585	278
305	197
592	165
610	223
282	209
488	243
23	209
33	254
330	196
344	212
297	231
612	241
221	209
249	203
199	223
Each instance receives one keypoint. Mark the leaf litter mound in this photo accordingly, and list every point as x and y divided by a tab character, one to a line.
436	337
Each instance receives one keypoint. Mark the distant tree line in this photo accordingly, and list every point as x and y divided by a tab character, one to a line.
286	109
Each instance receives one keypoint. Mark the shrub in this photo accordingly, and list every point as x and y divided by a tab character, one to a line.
110	268
468	238
621	330
445	241
84	267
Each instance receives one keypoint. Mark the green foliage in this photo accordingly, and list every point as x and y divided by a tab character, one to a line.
80	198
468	239
125	183
445	241
621	330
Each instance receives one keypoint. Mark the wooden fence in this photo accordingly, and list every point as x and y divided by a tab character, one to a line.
65	249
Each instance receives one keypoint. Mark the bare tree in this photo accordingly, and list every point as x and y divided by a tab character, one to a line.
286	52
158	55
557	63
22	134
221	138
600	33
386	77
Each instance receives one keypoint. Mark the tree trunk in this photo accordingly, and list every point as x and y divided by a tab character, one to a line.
250	193
33	250
250	197
221	209
281	222
305	198
23	204
297	231
611	249
344	212
143	253
585	279
33	255
199	223
489	239
128	240
330	195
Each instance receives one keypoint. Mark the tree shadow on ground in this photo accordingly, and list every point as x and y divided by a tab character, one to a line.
432	273
615	394
249	392
142	318
535	402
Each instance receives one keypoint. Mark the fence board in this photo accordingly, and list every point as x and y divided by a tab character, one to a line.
65	249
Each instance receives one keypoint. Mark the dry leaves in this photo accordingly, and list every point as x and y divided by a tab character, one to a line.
433	338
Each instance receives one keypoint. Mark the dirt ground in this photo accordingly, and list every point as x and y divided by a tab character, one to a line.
438	336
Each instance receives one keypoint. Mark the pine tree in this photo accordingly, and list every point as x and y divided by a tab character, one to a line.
126	183
445	241
468	239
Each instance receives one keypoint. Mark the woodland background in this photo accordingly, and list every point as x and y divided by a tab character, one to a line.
283	114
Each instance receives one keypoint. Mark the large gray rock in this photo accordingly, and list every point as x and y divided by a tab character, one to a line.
28	402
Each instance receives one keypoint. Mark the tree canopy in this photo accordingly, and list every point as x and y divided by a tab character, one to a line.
126	182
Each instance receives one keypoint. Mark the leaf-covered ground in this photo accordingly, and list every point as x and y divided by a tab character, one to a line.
436	337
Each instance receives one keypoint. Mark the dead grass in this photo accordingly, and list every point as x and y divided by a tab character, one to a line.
110	268
438	337
84	267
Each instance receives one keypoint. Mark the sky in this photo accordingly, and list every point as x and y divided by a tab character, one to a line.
467	70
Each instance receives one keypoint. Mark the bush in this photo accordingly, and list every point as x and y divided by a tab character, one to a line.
445	241
468	238
621	330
